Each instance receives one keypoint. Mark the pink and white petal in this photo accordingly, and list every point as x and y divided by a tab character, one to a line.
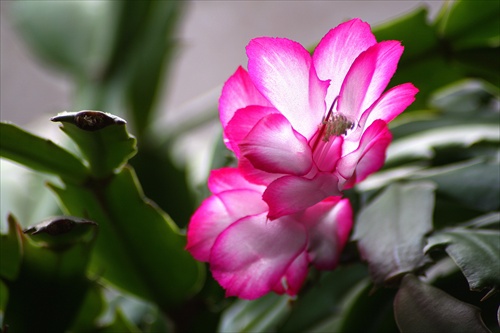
254	175
368	157
329	223
390	104
227	179
215	214
294	277
327	153
291	194
242	123
251	256
281	70
238	92
386	108
337	51
275	147
368	78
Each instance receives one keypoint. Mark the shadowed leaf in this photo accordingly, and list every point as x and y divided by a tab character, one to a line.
419	307
476	252
391	228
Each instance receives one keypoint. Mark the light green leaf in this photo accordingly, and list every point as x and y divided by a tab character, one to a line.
72	35
476	252
138	247
391	228
419	307
422	144
40	154
102	138
261	315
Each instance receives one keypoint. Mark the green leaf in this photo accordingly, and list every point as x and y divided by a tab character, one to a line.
422	144
374	307
261	315
403	29
138	247
469	24
51	283
40	154
92	307
323	301
391	228
419	307
72	35
474	184
476	252
11	250
102	138
152	52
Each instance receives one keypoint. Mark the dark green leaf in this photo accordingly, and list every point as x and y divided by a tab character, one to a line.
423	62
92	307
391	228
323	301
138	247
49	288
419	307
476	252
11	250
374	307
39	154
417	36
261	315
4	295
153	47
102	138
469	24
475	184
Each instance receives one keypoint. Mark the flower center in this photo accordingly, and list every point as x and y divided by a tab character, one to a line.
334	124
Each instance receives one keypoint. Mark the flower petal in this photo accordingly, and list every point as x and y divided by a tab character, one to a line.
291	194
337	51
238	92
226	179
386	108
251	256
329	224
294	277
281	70
367	158
274	146
368	78
254	175
391	104
215	214
242	123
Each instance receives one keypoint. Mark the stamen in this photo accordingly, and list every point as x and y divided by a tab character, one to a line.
334	124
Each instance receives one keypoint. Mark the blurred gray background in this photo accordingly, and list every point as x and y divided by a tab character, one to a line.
213	35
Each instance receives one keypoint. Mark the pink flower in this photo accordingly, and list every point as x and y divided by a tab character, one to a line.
310	127
250	255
